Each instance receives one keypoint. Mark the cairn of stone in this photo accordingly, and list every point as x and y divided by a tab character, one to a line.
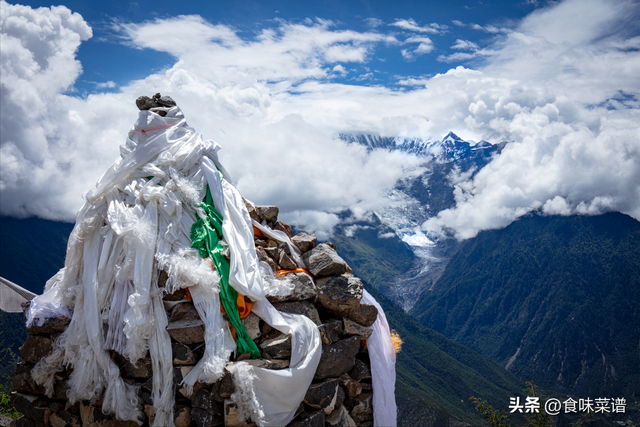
341	392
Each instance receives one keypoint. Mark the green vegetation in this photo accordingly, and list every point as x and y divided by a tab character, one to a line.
7	361
554	298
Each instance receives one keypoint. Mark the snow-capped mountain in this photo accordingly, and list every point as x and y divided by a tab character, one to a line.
448	149
414	200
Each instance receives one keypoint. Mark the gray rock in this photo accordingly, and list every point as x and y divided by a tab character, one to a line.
203	418
35	348
277	348
351	387
182	416
252	324
284	247
340	295
337	358
360	371
263	255
339	418
272	253
231	416
251	209
363	409
364	314
303	288
143	369
274	364
146	103
50	326
226	386
267	213
330	332
324	261
300	307
353	328
178	295
315	419
23	382
184	311
33	407
286	228
64	419
327	395
182	354
305	242
187	331
206	399
286	262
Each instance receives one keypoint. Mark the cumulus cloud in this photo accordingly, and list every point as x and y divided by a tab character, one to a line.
425	45
568	101
575	149
37	63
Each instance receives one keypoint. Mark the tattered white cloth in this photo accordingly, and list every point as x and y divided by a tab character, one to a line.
135	222
12	296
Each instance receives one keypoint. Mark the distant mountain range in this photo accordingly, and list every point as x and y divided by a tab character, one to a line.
448	149
424	257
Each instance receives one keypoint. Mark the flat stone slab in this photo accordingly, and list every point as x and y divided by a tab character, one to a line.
303	288
338	358
187	331
277	348
352	328
300	307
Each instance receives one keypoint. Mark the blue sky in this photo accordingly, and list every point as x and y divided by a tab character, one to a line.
248	18
275	82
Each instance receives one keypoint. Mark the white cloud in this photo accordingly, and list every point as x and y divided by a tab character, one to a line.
106	85
575	150
568	101
412	25
425	45
374	22
492	29
464	45
339	69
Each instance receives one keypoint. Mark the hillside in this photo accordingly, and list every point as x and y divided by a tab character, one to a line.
555	299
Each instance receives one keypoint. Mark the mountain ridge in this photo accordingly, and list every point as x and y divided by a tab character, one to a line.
553	298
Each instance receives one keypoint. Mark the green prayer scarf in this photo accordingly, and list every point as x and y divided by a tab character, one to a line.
205	236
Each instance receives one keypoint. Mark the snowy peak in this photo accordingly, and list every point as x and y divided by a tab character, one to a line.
450	148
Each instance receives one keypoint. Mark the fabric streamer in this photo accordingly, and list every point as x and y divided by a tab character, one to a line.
12	296
205	236
382	354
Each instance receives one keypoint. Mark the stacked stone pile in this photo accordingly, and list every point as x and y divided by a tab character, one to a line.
341	392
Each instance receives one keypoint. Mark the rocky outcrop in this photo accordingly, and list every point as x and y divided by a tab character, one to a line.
340	394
